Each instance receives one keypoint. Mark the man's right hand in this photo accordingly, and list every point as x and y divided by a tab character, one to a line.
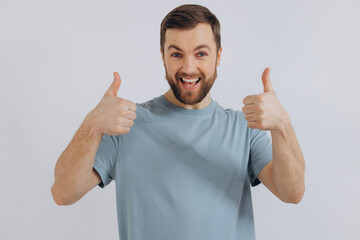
113	115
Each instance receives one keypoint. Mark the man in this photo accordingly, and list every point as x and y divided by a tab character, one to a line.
184	170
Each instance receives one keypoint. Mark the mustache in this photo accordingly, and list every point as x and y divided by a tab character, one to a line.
181	75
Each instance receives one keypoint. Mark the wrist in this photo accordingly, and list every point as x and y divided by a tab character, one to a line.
90	126
283	127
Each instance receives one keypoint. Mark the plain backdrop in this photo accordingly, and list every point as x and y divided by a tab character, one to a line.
57	59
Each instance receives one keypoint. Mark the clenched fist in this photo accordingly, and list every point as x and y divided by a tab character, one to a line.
264	111
113	115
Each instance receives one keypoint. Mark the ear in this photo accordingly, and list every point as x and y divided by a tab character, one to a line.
219	56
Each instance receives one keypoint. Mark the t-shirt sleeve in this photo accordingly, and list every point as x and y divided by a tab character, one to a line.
260	154
105	158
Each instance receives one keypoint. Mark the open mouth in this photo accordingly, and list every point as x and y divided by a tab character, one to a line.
190	82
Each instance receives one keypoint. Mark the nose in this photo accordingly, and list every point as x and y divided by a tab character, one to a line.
189	66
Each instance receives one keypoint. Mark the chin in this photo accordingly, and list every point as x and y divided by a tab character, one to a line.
190	97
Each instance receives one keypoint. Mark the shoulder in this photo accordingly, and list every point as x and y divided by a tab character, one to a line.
147	111
236	119
232	114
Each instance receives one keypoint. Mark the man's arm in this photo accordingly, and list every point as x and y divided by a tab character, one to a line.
284	175
288	163
74	173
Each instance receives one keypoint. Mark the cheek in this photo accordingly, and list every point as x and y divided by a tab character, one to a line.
172	68
170	71
208	70
208	66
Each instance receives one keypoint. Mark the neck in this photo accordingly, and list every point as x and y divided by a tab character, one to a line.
169	95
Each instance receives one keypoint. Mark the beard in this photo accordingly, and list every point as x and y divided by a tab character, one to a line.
195	96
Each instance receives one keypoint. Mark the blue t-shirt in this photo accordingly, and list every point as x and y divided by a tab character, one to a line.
184	173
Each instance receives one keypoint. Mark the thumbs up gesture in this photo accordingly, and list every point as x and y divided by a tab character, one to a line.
264	111
113	115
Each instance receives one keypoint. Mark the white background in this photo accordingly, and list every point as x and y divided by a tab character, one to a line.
57	60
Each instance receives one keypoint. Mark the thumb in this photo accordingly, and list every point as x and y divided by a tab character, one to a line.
266	80
115	85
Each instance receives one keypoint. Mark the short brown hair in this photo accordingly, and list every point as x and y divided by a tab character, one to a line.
186	17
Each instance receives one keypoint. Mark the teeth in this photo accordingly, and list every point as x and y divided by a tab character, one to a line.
190	80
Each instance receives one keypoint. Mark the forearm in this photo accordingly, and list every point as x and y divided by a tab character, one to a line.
74	166
288	163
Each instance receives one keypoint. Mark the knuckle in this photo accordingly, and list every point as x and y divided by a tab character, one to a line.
129	102
260	107
124	130
122	112
119	128
122	102
119	122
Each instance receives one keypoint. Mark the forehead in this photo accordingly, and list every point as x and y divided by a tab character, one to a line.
189	39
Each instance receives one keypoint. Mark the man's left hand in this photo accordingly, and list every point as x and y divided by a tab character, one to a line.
264	111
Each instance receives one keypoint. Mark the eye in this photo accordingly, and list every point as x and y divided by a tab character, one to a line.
175	55
202	54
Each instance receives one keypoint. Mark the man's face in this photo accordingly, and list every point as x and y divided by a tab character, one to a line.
191	55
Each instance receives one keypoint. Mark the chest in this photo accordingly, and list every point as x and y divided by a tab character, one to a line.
183	157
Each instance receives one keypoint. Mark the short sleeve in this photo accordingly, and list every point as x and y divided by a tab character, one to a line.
260	154
105	158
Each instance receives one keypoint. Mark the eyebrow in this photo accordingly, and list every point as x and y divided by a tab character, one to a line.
197	48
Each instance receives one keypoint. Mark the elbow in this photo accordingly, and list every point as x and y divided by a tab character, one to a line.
295	198
58	198
294	201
